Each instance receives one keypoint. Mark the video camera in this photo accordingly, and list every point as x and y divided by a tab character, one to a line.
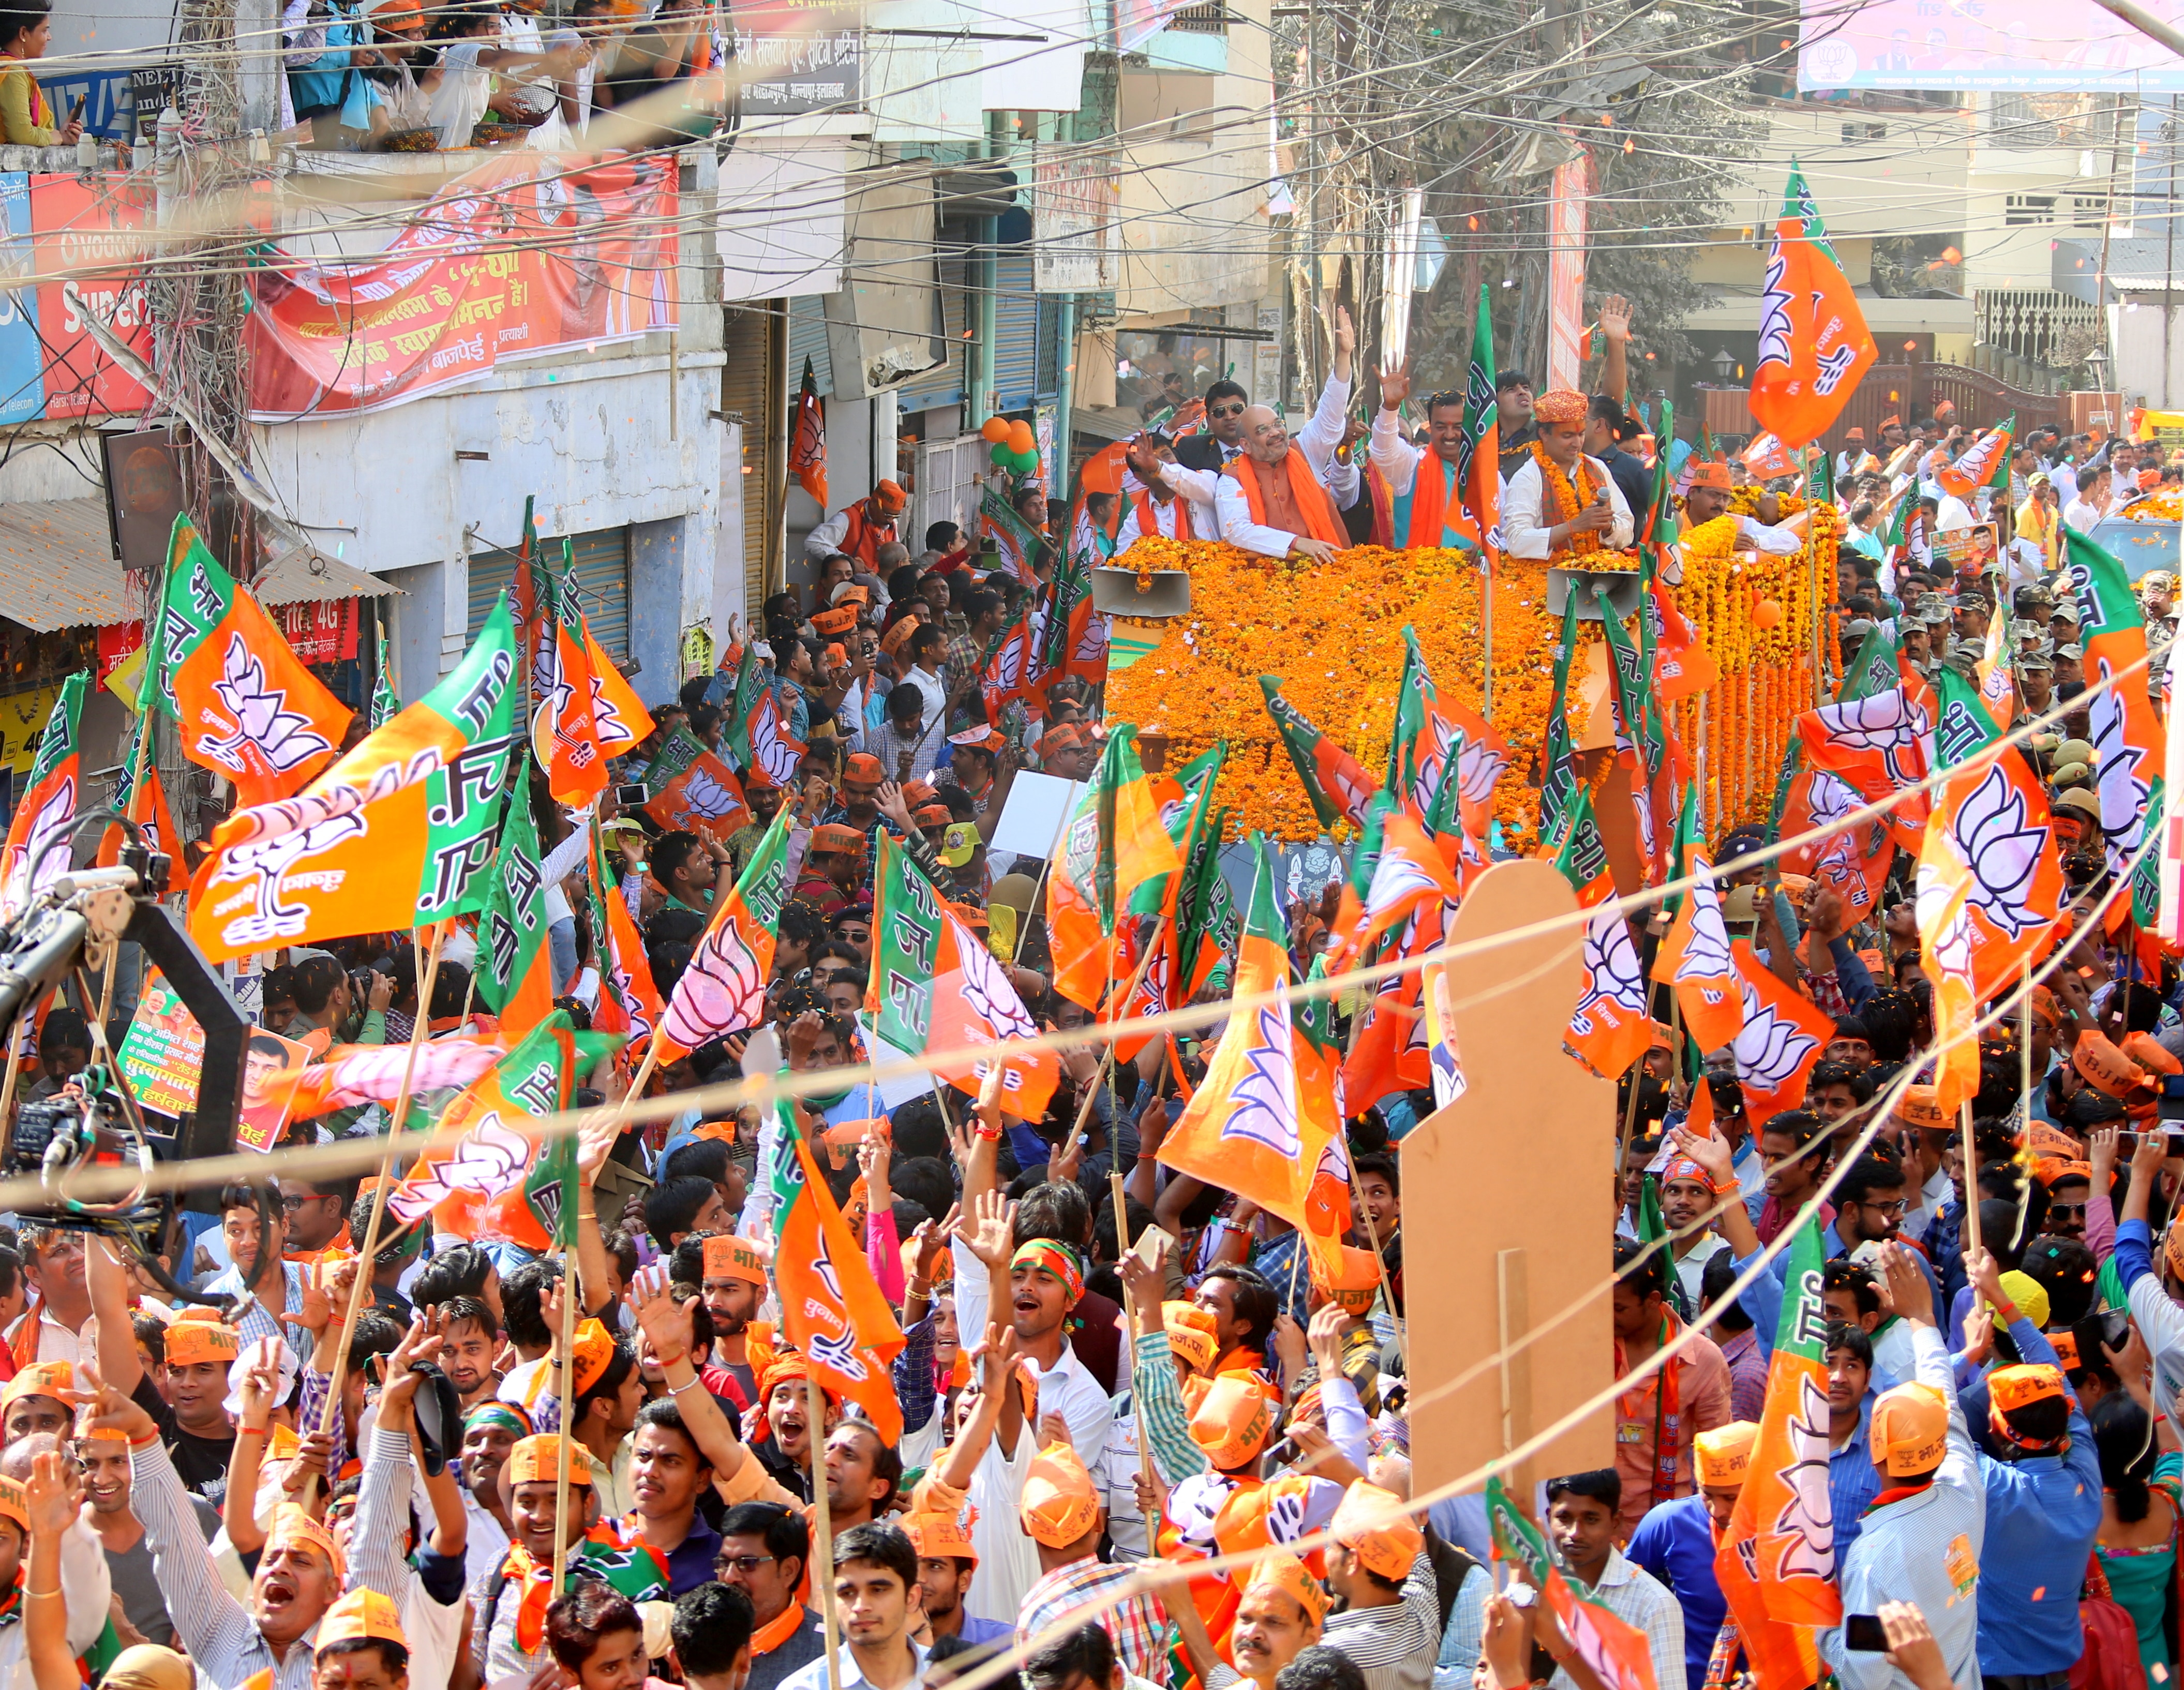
67	931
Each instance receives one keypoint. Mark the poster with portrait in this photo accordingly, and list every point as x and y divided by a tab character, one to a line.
163	1054
1967	551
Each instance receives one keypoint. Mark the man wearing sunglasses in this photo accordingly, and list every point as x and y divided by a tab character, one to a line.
1223	435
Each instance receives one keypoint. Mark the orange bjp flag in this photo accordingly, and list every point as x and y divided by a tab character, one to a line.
619	716
399	833
1781	1039
564	738
831	1309
1813	344
1116	859
248	707
36	851
1695	959
1248	1127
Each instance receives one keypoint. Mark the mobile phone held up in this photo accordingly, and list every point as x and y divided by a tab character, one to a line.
1863	1632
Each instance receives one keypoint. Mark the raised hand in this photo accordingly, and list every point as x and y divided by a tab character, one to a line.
53	1494
990	1232
1615	318
668	1324
1395	386
1325	1338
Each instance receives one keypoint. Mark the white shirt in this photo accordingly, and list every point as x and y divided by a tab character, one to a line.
1065	1386
1523	534
2082	514
2065	477
812	1675
1953	514
931	688
459	103
55	1342
1635	1597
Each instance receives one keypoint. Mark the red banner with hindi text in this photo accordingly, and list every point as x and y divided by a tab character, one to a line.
521	256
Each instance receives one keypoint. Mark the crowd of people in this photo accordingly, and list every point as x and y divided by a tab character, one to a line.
1100	1390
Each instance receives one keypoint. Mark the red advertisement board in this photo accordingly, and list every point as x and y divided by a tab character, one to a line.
520	256
93	228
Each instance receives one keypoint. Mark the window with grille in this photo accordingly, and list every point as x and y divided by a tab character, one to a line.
1209	20
1853	133
2020	211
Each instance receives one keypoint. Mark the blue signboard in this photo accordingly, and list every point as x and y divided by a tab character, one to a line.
22	369
107	112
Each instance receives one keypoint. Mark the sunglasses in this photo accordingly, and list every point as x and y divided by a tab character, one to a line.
1224	411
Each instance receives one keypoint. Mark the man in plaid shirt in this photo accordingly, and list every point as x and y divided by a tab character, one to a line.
1061	1512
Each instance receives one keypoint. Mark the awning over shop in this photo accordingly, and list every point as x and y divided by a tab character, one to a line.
58	570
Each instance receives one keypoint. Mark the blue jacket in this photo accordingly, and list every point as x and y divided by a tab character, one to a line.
1674	1543
2042	1515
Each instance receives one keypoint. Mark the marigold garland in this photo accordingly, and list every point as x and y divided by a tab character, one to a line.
1334	632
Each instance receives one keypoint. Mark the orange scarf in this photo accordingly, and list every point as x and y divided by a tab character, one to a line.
778	1630
1560	500
1149	516
1322	520
1429	483
25	1346
1666	1389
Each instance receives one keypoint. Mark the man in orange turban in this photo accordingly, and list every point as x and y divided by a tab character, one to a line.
1560	501
859	530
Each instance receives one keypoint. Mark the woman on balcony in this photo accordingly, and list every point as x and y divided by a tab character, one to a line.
26	116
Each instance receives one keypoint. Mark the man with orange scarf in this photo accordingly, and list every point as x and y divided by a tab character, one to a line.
1658	1419
1559	501
1272	501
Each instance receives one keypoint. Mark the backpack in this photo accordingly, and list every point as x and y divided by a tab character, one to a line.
2110	1659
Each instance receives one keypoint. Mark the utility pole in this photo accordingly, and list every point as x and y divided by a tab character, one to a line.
199	298
2168	242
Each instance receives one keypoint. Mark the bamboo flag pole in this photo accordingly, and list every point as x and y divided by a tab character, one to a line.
822	1525
1129	1302
1971	1178
369	1251
570	1447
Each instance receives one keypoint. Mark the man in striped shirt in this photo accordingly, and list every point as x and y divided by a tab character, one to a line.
1582	1510
1061	1513
1387	1612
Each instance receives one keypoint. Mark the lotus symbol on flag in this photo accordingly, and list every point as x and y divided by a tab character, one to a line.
606	721
1769	1050
1806	1523
987	991
44	861
829	1275
1707	956
841	1357
285	738
2001	849
1266	1098
1195	1504
1611	969
1882	722
1397	881
704	796
2123	794
1479	766
1774	329
489	1161
722	989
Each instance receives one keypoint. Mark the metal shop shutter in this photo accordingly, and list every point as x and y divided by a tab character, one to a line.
807	338
602	560
1015	328
748	387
